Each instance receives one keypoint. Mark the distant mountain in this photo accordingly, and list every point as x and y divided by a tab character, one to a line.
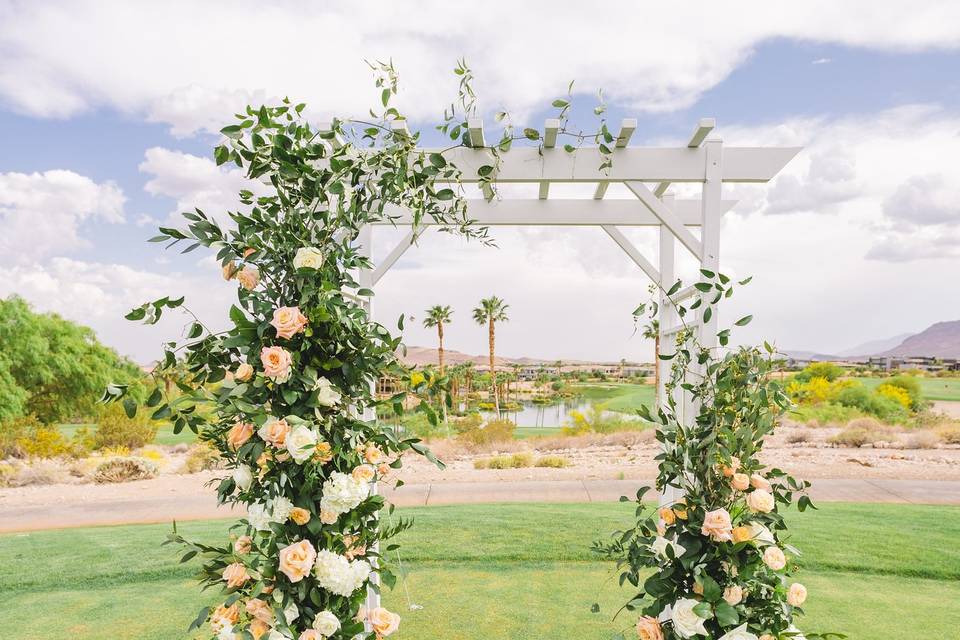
941	340
874	346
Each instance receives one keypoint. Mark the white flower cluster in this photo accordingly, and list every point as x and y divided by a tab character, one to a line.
342	492
260	514
338	575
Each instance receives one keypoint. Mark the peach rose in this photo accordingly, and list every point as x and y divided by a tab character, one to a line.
667	515
767	636
680	508
740	481
224	613
229	271
741	534
244	372
661	528
760	501
235	575
728	471
239	433
243	545
324	452
249	251
383	622
733	594
373	455
259	610
300	516
717	525
384	469
773	557
363	473
297	560
649	629
354	550
288	321
796	594
328	517
698	588
310	634
258	628
249	278
757	481
276	363
275	432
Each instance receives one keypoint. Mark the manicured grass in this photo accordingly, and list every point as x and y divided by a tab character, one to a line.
932	388
617	396
165	434
495	571
522	433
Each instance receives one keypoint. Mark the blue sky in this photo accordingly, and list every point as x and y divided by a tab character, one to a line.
849	223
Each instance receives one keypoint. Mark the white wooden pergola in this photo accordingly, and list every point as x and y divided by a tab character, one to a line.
647	172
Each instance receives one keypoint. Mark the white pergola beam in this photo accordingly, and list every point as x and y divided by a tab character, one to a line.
644	164
704	127
394	255
475	131
515	212
667	217
631	250
399	127
551	129
627	127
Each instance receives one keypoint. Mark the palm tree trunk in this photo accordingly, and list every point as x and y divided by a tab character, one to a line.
493	373
440	350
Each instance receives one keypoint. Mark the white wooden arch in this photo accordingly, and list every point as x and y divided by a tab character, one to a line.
648	173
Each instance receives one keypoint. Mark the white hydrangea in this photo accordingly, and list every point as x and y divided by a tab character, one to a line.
259	516
281	509
342	492
338	575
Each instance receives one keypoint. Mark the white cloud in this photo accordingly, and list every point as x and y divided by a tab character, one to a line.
42	213
195	182
190	64
925	200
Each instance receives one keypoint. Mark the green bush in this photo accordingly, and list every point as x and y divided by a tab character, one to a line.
116	429
45	442
125	470
826	414
912	386
825	370
521	459
873	403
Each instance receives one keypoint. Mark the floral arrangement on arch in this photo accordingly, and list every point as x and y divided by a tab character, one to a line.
722	566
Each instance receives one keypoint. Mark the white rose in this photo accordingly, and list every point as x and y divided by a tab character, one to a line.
686	623
291	613
326	624
740	633
308	258
301	442
243	477
276	635
660	544
327	395
760	534
226	632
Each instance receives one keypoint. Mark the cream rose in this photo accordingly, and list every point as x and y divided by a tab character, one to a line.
249	278
773	557
327	395
288	321
760	534
275	431
311	634
757	481
649	629
383	622
733	594
239	433
740	633
717	525
328	517
363	473
326	624
243	477
796	594
297	560
243	545
740	481
243	373
760	501
308	258
277	363
235	575
686	622
301	442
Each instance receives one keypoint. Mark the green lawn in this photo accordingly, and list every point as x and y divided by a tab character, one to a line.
494	571
616	396
165	434
932	388
522	433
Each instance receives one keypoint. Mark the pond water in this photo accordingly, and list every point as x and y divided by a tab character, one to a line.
547	415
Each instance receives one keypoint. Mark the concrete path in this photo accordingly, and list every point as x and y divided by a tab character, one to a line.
198	506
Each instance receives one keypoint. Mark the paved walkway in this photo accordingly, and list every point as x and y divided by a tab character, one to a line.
198	506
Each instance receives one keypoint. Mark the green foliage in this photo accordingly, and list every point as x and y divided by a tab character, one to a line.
872	402
53	368
13	430
826	370
115	428
598	420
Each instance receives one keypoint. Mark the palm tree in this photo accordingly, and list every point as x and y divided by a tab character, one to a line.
437	315
491	311
651	331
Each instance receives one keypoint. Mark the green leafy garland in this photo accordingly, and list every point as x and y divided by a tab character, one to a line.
722	566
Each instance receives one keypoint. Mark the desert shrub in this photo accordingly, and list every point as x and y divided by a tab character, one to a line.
7	472
911	386
826	370
499	462
466	423
521	459
489	432
797	436
481	463
125	470
23	473
115	428
555	462
597	420
826	415
922	440
13	430
852	437
154	455
897	394
44	442
949	434
200	457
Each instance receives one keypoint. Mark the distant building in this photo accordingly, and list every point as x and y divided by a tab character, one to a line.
924	363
